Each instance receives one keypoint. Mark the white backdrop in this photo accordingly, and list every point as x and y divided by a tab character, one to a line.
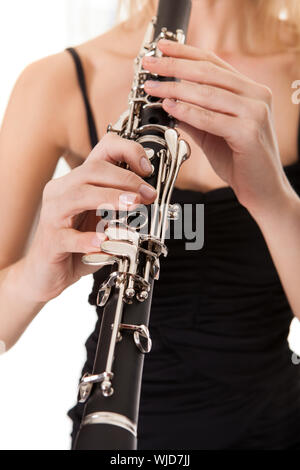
39	375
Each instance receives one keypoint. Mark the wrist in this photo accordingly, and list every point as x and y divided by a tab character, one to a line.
17	284
285	206
17	307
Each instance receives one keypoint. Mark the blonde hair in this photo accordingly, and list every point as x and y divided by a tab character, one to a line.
274	22
131	7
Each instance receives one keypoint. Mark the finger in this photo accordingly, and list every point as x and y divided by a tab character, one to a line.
212	122
103	173
72	194
185	51
89	197
114	149
206	96
208	73
189	131
73	241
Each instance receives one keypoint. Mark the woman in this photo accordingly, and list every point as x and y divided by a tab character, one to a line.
220	375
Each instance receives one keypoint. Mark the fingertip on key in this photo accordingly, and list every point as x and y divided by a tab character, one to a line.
147	192
97	239
146	165
127	200
170	103
165	42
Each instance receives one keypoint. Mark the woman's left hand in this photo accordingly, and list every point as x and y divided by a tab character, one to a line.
230	118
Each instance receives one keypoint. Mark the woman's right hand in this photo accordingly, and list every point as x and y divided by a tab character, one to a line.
67	225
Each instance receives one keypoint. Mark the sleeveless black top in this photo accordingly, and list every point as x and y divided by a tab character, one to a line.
220	374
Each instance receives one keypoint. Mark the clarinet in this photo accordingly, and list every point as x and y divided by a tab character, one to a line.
112	392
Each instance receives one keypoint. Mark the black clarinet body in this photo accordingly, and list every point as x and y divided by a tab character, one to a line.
134	245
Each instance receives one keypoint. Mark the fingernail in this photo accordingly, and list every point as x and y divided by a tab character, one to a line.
152	83
97	240
165	41
147	192
146	165
128	199
170	103
149	59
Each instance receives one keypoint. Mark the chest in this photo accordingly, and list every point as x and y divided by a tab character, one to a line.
110	99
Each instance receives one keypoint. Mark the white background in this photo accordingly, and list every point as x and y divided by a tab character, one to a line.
39	375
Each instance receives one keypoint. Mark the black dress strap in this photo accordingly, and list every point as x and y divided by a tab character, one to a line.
299	139
82	83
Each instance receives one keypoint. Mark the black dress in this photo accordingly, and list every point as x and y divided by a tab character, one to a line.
220	374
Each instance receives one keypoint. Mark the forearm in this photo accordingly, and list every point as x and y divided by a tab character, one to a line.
17	308
281	230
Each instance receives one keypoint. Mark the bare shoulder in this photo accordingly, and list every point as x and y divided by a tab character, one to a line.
50	87
49	78
46	86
